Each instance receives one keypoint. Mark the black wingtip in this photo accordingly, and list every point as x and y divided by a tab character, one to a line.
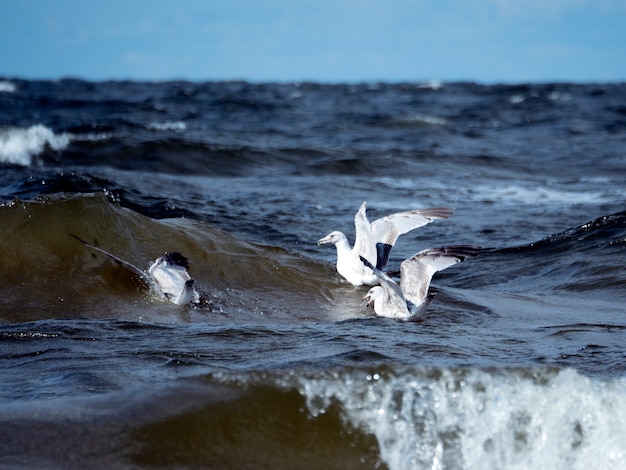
77	238
461	251
366	262
383	250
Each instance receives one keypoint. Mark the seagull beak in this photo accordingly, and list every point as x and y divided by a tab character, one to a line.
368	299
323	241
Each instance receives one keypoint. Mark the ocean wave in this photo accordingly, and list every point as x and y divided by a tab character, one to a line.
19	146
377	416
581	259
471	418
60	276
7	86
517	194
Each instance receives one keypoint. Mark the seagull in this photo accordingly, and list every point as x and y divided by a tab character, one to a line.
167	275
410	299
374	241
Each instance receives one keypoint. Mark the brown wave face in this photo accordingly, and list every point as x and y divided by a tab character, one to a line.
48	274
188	424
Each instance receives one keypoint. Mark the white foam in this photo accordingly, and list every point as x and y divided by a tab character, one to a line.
431	85
178	126
476	419
7	87
425	119
19	146
540	194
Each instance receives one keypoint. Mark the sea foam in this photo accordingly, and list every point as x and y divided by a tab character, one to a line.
167	126
19	145
7	87
533	195
476	419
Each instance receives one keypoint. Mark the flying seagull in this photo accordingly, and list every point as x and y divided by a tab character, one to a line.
167	275
374	241
410	299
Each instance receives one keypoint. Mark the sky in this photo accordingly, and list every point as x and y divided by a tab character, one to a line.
486	41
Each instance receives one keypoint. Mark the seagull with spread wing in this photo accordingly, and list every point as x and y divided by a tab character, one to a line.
375	241
410	299
167	275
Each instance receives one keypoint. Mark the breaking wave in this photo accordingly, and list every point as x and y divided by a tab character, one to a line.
18	146
473	418
7	87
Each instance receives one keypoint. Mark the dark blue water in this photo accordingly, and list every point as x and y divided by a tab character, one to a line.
519	361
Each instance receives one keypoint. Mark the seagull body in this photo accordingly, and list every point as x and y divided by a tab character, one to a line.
170	273
410	299
375	241
167	275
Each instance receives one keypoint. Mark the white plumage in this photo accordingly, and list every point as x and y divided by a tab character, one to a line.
375	241
410	299
167	276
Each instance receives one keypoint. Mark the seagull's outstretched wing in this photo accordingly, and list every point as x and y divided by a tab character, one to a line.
131	267
364	244
168	275
386	230
417	271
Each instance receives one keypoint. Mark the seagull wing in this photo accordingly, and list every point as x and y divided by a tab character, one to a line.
385	231
125	264
364	242
417	271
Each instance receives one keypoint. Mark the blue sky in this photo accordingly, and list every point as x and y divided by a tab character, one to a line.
331	41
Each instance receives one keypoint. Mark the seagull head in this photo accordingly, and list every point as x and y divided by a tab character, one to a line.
332	237
372	294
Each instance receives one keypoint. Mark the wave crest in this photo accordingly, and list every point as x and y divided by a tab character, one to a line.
7	86
471	418
61	279
18	146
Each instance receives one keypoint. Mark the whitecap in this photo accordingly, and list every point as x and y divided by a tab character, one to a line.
177	126
543	418
424	119
521	195
19	145
7	87
431	85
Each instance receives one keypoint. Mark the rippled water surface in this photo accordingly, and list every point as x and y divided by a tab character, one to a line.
519	361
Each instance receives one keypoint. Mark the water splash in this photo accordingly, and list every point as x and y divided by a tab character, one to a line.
7	87
446	418
18	146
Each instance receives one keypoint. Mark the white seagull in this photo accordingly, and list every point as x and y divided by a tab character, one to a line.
167	276
410	299
374	241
